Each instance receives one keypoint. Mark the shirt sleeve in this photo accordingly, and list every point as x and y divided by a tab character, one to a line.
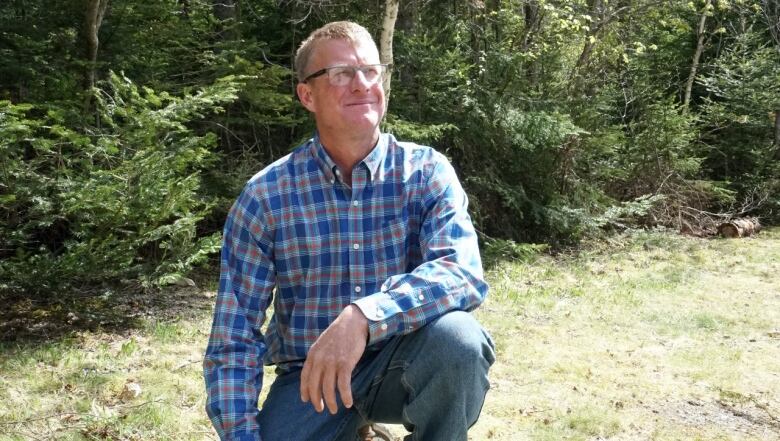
233	367
450	277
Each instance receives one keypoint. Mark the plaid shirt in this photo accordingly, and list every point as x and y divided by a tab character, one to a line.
399	244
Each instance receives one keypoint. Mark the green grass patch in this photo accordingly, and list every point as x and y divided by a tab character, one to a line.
646	336
616	341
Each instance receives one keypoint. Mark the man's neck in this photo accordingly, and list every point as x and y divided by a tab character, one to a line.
346	152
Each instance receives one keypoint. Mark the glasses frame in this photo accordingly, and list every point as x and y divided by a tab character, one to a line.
385	68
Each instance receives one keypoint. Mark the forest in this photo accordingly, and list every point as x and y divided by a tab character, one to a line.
128	127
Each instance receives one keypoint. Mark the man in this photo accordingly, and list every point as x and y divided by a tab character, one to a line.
364	246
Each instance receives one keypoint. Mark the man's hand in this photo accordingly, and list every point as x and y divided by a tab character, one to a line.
331	360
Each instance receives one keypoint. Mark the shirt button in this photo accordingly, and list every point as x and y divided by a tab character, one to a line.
355	203
332	181
356	246
357	289
384	326
421	297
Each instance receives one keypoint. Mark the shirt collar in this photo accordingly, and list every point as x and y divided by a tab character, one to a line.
373	161
322	158
375	158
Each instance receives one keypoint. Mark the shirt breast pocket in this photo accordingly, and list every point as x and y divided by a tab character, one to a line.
390	244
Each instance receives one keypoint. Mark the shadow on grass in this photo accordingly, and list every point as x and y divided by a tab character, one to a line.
25	320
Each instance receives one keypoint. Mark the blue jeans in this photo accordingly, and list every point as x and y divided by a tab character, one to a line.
433	381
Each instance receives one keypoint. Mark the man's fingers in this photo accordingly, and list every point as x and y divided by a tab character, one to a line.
311	384
329	390
345	387
314	388
305	381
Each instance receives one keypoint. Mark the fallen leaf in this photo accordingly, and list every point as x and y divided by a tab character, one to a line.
130	391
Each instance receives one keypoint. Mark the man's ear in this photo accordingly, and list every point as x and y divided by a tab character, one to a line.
305	95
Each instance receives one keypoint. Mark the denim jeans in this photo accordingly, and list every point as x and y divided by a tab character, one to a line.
433	381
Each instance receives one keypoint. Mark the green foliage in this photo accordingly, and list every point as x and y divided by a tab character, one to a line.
122	201
522	166
496	250
563	119
411	131
744	96
627	213
659	147
744	87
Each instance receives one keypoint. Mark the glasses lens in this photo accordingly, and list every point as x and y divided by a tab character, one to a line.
372	73
343	75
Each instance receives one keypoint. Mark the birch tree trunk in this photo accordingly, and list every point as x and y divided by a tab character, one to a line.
386	40
697	53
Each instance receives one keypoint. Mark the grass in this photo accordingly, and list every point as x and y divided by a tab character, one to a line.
642	338
649	336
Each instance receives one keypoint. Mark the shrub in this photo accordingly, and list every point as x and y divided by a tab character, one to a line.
120	200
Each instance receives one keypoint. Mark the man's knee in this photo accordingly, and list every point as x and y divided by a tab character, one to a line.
458	338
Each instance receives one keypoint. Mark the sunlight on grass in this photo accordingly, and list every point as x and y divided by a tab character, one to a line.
77	391
632	331
646	336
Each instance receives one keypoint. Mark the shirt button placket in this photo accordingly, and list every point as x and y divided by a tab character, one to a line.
355	223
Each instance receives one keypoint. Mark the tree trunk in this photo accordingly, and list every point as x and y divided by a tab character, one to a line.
595	9
226	11
532	19
771	10
697	53
493	8
386	40
93	18
531	24
777	134
739	227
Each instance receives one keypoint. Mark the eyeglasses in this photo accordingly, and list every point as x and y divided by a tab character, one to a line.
343	75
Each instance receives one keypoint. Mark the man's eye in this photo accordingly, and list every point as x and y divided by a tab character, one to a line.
371	71
341	73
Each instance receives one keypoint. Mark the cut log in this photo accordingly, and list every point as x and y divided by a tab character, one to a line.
739	227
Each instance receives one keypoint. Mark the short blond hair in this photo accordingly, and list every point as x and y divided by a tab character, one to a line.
337	30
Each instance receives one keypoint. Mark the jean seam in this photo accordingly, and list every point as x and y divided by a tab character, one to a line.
479	413
412	395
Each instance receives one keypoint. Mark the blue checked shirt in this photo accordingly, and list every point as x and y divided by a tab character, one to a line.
399	244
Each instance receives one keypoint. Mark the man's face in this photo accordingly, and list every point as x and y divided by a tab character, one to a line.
355	108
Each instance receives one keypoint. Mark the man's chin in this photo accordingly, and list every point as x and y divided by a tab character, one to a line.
364	122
